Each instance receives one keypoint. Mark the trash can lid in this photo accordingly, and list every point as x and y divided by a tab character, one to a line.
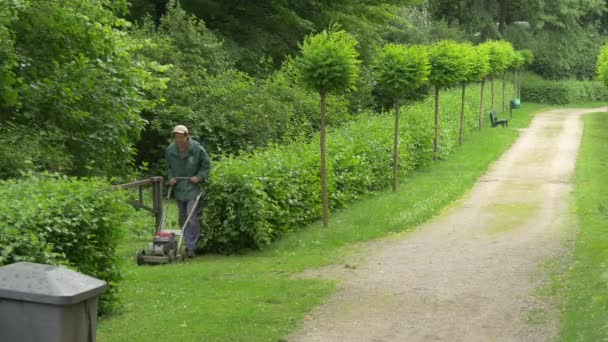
41	283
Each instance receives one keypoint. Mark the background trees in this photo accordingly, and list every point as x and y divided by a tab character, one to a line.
71	83
564	35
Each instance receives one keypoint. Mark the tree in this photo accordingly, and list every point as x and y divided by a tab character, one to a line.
469	56
447	68
500	54
528	58
479	72
399	70
516	65
328	62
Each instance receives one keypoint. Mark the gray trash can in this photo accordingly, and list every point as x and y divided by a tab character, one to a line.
47	303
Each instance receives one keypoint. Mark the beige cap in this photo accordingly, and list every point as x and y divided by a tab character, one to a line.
180	129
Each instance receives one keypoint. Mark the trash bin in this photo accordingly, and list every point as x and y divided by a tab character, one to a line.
515	104
41	302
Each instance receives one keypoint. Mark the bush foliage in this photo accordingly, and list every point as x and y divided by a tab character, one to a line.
64	221
535	89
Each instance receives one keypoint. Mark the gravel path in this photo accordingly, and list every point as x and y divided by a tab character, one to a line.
471	273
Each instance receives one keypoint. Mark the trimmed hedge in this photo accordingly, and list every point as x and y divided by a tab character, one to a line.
538	90
64	221
256	198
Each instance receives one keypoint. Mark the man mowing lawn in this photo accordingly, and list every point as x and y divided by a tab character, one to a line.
188	159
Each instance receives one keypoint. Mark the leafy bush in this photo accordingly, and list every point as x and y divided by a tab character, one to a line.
64	221
535	89
257	198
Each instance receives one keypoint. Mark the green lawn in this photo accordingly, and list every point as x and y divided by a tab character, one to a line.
585	288
253	297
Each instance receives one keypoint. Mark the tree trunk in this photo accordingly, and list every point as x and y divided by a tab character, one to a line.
436	140
519	86
483	84
464	86
504	79
396	147
492	88
515	83
504	13
323	164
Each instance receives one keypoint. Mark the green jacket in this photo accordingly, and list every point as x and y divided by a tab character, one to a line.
195	162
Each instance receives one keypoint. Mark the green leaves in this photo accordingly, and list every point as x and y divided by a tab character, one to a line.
328	61
400	69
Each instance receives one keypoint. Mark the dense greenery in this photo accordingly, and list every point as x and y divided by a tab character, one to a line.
70	80
59	220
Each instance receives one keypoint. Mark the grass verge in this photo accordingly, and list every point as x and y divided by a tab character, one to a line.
254	296
585	287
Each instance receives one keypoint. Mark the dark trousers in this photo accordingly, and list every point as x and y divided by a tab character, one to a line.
193	229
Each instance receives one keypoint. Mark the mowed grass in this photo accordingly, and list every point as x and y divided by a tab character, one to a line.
254	296
585	310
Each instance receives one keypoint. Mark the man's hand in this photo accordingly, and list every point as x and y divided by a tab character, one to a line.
172	181
195	179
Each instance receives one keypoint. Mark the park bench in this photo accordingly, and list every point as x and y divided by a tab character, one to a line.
495	121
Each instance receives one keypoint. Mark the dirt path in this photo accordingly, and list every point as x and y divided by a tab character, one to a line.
468	275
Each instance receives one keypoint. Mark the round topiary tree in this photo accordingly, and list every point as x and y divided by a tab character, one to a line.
328	62
469	56
500	53
516	65
399	70
479	73
528	57
447	69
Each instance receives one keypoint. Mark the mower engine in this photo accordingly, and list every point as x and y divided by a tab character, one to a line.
163	244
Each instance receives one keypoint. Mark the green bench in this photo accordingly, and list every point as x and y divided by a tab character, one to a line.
495	121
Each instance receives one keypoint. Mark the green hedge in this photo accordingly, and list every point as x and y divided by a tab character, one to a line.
257	198
64	221
535	89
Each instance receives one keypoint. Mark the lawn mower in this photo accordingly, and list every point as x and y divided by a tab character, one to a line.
166	246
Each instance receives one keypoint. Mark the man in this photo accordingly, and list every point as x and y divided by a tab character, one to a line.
188	166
